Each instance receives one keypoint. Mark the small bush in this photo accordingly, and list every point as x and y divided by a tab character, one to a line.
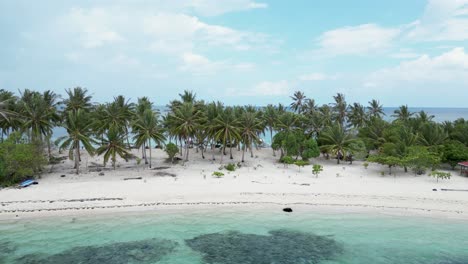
365	164
301	163
316	169
287	160
230	167
440	175
171	150
218	174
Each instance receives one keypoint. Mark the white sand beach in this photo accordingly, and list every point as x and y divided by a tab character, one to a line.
260	181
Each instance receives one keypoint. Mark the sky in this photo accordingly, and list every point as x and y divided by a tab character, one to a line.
242	52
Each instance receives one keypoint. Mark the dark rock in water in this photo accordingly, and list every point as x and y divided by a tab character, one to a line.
287	210
281	246
144	251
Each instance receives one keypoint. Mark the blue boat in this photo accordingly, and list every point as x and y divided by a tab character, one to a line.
26	183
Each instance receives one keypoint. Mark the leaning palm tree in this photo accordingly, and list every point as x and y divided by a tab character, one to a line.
78	127
112	146
299	99
357	115
337	141
146	129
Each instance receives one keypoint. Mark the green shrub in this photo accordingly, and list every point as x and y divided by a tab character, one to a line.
287	160
301	163
440	175
218	174
171	150
230	167
316	169
365	164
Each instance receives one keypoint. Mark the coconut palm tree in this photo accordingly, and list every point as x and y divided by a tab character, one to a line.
357	115
270	118
337	141
78	126
78	98
402	114
250	128
184	121
340	108
146	129
226	129
113	145
431	134
299	100
375	109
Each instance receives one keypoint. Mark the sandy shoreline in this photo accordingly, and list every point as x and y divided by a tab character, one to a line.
261	181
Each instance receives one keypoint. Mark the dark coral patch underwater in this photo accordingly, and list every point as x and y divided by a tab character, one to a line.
280	247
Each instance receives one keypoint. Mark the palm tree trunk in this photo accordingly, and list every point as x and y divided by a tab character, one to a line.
243	152
186	150
48	147
149	145
212	150
251	151
77	160
230	152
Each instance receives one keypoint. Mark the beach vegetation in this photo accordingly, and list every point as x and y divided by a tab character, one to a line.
301	163
171	150
230	167
317	169
365	165
287	160
440	175
218	174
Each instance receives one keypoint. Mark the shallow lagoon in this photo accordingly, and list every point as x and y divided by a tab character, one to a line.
236	235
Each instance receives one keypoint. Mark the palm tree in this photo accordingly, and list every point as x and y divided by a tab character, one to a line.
78	127
375	109
113	145
431	134
270	117
143	104
146	128
184	121
402	114
298	101
340	108
78	98
336	141
357	115
226	129
250	128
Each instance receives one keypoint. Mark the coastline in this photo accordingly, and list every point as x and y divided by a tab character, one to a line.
260	182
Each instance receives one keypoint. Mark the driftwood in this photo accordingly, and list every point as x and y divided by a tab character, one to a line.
455	190
132	178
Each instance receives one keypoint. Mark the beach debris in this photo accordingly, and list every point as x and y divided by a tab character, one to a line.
163	174
287	210
62	176
161	168
143	251
280	246
132	178
454	190
101	174
434	190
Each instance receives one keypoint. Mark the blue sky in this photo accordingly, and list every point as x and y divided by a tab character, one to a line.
240	51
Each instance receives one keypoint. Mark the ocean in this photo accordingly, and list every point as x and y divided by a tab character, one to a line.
236	236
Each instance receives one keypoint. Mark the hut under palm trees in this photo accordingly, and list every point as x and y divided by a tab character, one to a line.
463	168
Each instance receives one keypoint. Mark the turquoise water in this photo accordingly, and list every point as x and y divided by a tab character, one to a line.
235	236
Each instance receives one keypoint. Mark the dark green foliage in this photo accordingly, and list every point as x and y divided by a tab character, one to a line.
19	161
171	150
301	163
310	149
390	161
419	159
281	246
287	160
454	152
218	174
230	167
144	251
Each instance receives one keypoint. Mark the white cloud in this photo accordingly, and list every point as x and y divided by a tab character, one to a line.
94	27
216	7
362	39
197	64
448	67
267	88
443	20
315	76
405	54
